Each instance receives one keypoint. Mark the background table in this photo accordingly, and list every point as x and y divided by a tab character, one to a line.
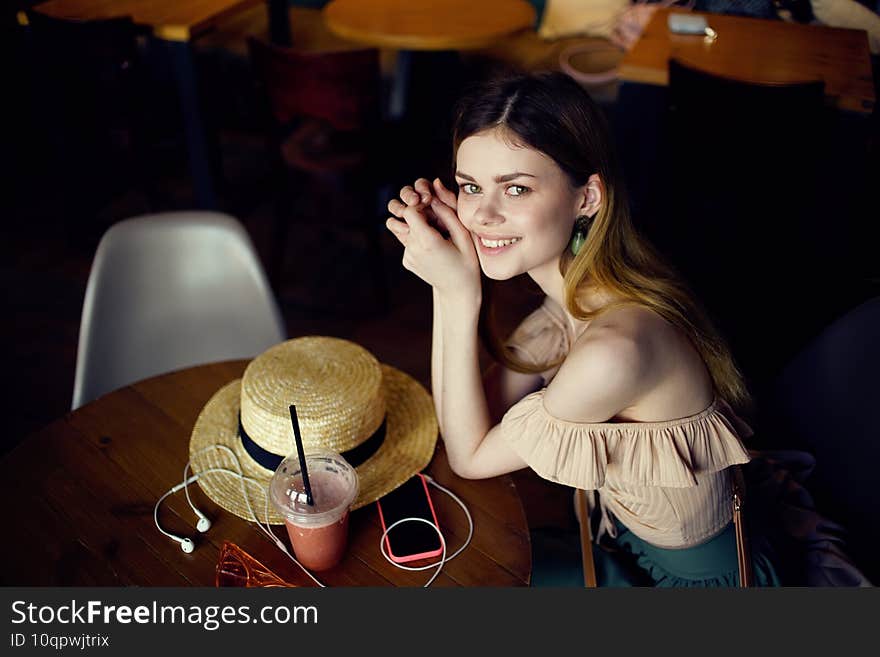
428	24
82	492
761	50
425	25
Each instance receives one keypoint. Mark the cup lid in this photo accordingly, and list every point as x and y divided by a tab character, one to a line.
334	484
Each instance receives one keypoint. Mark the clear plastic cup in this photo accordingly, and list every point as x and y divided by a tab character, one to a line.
319	532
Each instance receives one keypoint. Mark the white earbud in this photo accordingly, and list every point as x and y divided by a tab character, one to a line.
204	523
186	544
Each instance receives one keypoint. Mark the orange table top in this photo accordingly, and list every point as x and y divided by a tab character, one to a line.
428	24
761	50
173	20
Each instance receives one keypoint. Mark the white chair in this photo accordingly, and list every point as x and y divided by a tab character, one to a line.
169	291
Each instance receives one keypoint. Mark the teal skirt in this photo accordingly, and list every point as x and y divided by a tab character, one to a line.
629	561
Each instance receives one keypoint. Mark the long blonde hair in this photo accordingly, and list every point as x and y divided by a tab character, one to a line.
554	115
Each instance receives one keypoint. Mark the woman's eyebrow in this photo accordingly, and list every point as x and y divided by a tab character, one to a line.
507	177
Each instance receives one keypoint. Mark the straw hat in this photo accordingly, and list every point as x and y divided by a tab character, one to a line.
380	419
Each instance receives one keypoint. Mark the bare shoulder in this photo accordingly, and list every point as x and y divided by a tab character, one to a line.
635	321
609	367
628	335
629	364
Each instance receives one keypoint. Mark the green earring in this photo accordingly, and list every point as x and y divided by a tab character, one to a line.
581	227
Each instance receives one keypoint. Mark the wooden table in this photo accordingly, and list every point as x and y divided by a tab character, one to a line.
761	50
425	25
172	20
428	24
83	489
175	24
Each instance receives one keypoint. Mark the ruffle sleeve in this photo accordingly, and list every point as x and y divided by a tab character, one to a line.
667	454
540	339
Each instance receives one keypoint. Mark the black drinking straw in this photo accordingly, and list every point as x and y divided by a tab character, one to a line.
301	455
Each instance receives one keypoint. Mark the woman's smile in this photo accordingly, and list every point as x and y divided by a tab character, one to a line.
490	245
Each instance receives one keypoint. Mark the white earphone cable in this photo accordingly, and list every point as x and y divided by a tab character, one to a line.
443	559
265	529
270	534
167	493
184	484
439	564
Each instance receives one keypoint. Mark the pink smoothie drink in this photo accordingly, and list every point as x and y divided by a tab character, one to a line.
321	546
318	532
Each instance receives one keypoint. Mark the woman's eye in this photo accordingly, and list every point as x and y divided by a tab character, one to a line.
469	188
517	190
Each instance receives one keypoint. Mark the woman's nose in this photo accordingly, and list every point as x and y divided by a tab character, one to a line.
487	214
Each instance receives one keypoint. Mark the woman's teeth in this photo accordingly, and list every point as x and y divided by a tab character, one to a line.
494	244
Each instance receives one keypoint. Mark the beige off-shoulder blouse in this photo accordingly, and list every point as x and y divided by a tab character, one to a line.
668	482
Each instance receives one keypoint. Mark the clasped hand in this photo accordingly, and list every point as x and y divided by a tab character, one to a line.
428	211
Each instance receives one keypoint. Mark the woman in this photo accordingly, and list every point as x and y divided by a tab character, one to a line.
618	382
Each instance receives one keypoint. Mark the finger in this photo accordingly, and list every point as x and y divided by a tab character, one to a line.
460	235
399	229
410	196
418	225
621	37
396	208
631	29
423	187
436	218
444	194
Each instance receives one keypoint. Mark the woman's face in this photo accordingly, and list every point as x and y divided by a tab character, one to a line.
517	203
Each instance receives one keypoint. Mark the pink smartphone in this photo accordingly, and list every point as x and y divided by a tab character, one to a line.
410	540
